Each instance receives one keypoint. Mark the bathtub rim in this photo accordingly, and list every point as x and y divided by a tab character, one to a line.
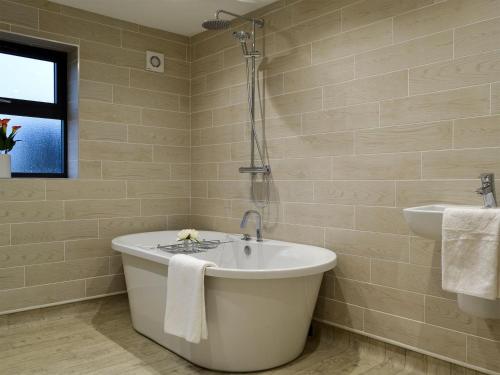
233	273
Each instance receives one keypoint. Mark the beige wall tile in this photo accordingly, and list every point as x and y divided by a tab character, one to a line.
320	215
352	267
88	209
53	231
410	277
302	169
288	60
171	154
460	163
211	153
477	38
204	171
442	16
281	105
340	313
209	100
92	150
212	207
302	10
159	136
495	98
425	252
5	234
294	233
381	219
95	71
352	42
167	119
388	300
368	244
417	193
329	144
320	75
369	11
445	313
434	339
20	212
157	189
111	228
142	42
222	116
477	132
207	65
433	136
467	71
228	189
92	248
227	77
346	118
144	98
378	193
79	28
11	278
105	285
170	206
117	170
158	82
483	353
64	271
305	32
392	85
111	55
404	166
96	91
467	102
22	190
218	135
100	111
18	14
41	295
415	52
95	130
20	255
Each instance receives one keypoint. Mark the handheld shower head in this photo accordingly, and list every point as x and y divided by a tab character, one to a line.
242	37
216	24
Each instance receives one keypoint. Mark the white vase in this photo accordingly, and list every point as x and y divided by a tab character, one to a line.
5	166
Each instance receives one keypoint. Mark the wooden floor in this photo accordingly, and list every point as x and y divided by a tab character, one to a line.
96	337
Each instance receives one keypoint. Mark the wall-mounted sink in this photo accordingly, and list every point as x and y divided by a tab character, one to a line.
426	221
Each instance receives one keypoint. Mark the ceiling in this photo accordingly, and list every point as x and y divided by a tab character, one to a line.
177	16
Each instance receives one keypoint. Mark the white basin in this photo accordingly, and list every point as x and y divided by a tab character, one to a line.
426	221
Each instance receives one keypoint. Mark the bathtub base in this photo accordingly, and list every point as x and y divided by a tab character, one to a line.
252	324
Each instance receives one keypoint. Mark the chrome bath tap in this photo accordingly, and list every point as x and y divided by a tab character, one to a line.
487	190
259	224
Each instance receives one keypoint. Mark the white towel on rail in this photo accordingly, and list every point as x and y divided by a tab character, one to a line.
185	312
470	251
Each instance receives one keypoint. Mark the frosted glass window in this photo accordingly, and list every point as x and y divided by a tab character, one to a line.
27	79
41	146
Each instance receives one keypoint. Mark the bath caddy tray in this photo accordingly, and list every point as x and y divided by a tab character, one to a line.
191	248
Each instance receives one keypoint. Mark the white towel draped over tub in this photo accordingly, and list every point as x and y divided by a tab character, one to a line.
470	251
185	314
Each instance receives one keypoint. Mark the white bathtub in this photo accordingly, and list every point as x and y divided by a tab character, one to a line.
260	300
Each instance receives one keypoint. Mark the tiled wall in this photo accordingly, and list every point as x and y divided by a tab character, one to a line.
371	106
134	160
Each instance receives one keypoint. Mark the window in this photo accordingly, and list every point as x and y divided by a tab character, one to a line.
33	86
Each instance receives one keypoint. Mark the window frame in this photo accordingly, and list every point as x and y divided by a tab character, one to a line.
29	108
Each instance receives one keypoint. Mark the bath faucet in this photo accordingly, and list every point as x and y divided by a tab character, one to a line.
259	224
487	190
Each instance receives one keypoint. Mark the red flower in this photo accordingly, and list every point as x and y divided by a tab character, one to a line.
15	128
4	121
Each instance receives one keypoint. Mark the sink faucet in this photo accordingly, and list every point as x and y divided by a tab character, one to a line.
259	223
487	190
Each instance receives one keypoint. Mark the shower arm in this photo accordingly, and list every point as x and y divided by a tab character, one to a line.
256	21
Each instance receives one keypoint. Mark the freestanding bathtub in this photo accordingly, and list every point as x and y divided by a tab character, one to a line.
259	300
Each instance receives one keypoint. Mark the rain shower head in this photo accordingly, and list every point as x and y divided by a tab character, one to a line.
216	24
